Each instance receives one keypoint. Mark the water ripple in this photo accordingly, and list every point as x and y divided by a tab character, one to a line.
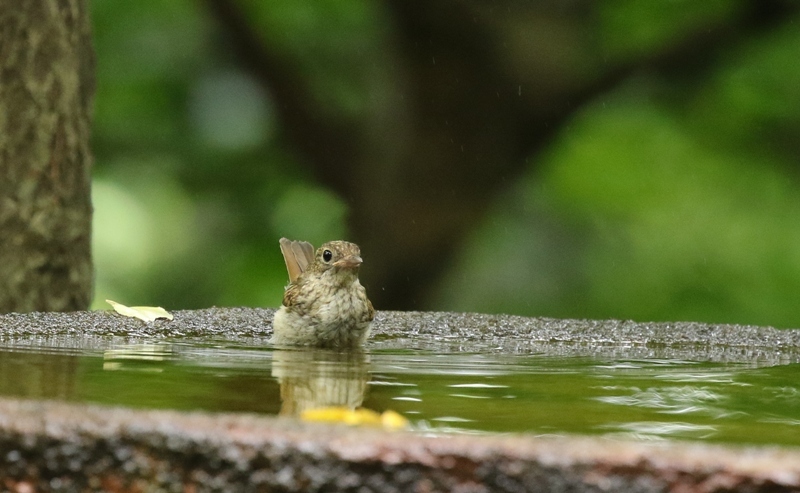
662	429
669	400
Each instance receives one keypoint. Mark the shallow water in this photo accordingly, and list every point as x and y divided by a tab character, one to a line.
463	392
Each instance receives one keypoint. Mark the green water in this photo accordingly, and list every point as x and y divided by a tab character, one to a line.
462	392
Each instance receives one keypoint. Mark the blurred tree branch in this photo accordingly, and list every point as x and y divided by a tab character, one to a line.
473	90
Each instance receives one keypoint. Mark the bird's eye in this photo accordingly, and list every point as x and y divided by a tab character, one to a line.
327	255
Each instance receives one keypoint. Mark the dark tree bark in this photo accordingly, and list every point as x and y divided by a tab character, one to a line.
46	90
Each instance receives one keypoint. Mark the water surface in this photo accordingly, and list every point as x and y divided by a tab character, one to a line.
453	391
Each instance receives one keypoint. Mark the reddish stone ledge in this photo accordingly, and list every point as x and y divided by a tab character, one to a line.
48	446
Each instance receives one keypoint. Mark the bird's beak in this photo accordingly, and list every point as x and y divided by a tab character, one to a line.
350	262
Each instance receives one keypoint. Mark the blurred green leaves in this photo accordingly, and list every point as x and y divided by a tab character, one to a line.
335	44
663	198
311	213
629	28
657	206
752	100
229	110
193	187
678	229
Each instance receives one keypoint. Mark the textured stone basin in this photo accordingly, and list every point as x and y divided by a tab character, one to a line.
58	446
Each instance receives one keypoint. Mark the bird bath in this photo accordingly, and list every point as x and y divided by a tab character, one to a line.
534	402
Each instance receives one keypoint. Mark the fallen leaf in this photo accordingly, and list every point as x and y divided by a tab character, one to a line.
146	313
393	420
358	417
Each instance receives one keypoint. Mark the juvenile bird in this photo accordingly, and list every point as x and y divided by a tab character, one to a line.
324	305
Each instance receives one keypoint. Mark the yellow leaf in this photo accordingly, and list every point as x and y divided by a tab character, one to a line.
146	313
392	420
328	414
359	417
362	416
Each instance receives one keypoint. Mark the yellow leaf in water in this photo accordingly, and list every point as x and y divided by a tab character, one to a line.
360	417
146	313
393	420
334	414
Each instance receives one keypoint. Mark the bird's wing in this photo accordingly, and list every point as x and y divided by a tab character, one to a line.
290	296
370	311
297	255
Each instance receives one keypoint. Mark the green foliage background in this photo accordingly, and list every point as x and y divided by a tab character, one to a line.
664	198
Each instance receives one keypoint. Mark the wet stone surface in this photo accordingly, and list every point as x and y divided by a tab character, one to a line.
60	446
443	331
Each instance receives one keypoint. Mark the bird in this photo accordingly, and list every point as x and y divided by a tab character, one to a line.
324	304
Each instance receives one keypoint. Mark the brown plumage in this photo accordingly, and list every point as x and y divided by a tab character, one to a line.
324	304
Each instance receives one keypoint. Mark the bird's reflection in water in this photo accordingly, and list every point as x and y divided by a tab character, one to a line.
316	378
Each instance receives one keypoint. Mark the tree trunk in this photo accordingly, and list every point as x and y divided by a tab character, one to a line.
46	89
